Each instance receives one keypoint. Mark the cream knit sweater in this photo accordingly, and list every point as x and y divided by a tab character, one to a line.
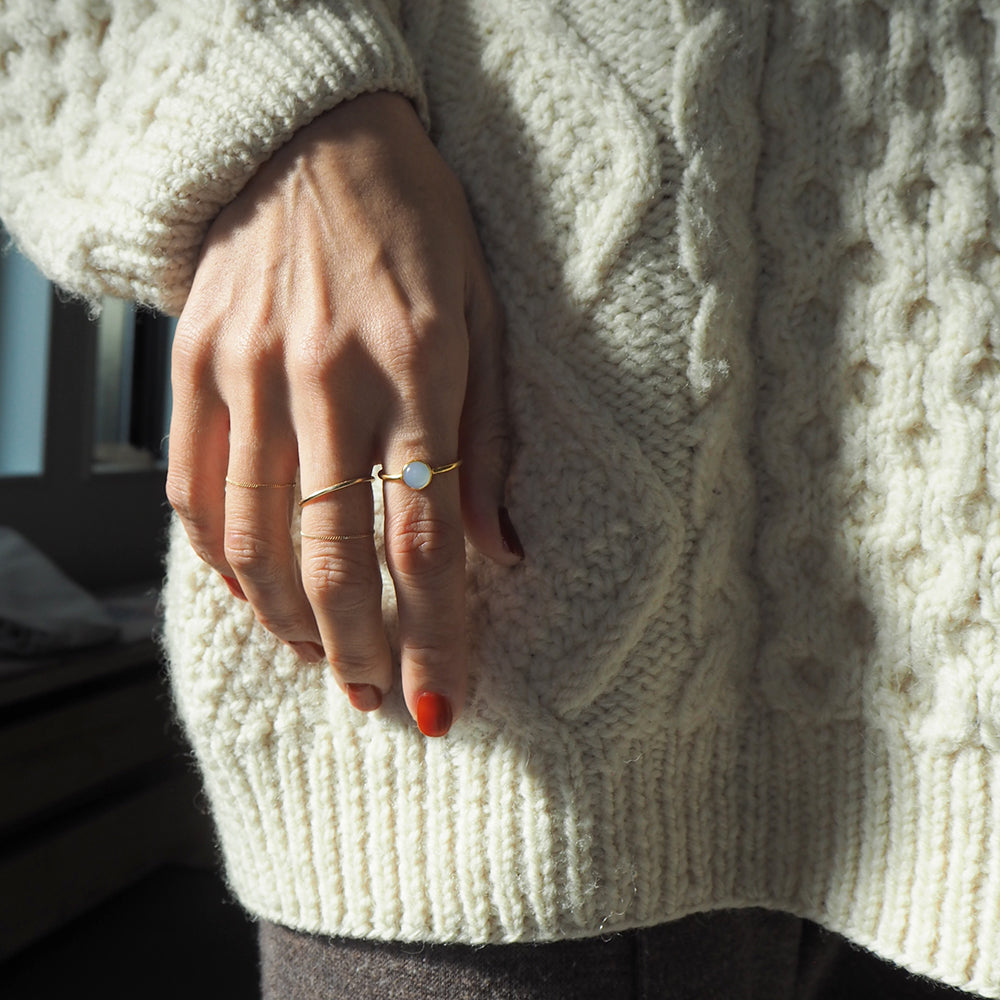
750	259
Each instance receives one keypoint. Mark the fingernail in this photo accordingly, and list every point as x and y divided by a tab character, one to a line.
234	587
433	714
311	652
510	540
364	697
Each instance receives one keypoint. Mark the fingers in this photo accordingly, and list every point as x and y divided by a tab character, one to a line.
425	553
330	601
199	450
484	444
340	570
424	536
342	315
231	476
258	544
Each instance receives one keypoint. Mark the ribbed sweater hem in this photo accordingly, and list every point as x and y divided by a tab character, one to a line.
374	832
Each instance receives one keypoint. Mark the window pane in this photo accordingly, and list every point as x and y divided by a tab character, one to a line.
24	362
132	397
115	338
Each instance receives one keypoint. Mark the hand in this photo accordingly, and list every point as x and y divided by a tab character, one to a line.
341	317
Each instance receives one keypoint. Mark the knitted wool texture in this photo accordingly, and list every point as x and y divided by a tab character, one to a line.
749	264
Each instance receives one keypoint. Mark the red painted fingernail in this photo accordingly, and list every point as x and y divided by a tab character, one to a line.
364	697
510	540
234	587
311	652
433	714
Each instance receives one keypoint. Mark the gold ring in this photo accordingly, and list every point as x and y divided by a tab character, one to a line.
335	488
259	486
339	538
417	475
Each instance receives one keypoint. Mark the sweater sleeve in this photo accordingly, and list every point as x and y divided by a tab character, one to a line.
126	125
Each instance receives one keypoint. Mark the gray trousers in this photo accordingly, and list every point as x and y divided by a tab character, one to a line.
728	955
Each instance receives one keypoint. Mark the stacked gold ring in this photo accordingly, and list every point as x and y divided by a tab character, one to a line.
327	490
339	538
259	486
417	475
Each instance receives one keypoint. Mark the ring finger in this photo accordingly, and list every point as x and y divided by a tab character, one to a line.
425	552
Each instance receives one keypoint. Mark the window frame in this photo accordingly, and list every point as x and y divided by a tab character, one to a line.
103	527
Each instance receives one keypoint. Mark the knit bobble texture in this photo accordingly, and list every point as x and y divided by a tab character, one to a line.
749	286
749	264
878	333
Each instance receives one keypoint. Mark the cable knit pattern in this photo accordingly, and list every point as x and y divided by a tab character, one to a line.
749	262
876	334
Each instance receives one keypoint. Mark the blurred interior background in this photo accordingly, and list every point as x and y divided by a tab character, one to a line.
109	879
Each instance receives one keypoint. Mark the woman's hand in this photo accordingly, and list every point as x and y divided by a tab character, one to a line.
341	317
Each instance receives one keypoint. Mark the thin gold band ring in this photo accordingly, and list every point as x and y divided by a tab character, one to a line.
327	490
259	486
339	538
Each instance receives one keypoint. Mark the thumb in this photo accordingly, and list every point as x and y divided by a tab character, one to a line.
483	436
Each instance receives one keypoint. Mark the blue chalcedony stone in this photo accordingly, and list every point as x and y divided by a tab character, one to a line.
417	475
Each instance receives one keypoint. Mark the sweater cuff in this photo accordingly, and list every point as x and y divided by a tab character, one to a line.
119	198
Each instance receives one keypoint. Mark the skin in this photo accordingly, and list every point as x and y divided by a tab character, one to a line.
341	317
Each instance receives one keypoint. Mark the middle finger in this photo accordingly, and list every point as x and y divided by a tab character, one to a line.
340	570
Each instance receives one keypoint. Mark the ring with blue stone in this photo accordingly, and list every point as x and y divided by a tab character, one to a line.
417	475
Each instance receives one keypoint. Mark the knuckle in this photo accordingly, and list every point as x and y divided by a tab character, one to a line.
425	547
280	622
428	350
193	358
202	315
190	508
435	652
181	499
317	357
341	583
189	355
408	327
248	359
249	553
196	526
355	666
